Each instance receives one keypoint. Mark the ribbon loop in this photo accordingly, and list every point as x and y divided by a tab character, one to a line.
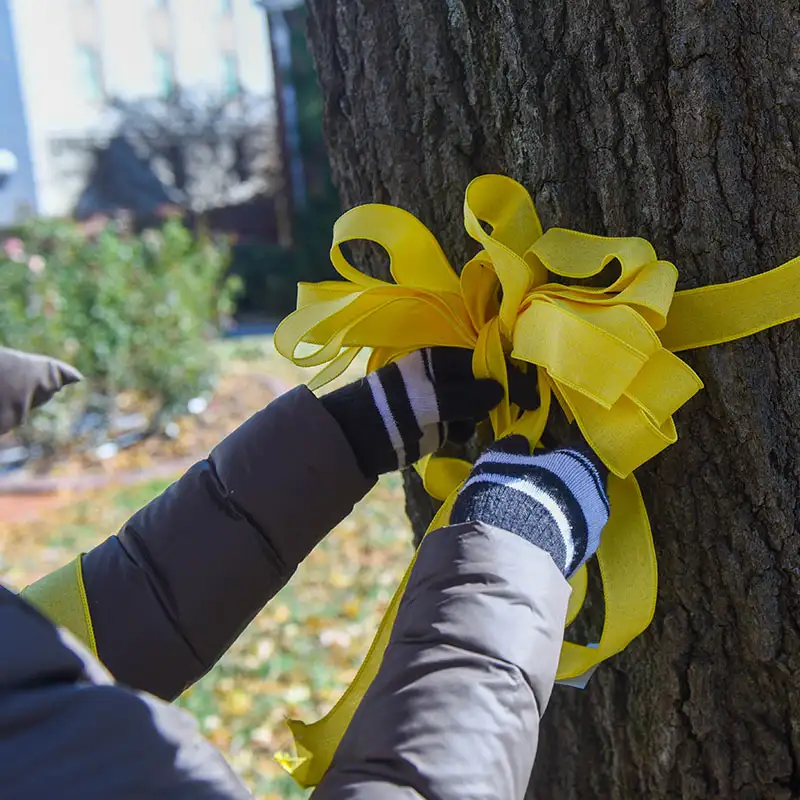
509	210
576	255
415	257
579	350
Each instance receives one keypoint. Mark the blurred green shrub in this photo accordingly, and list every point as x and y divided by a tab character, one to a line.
134	313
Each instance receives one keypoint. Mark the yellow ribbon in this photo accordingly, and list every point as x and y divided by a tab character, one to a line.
606	354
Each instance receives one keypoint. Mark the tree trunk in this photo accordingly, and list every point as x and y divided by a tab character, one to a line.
679	122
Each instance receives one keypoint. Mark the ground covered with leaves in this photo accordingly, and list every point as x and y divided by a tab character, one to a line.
298	655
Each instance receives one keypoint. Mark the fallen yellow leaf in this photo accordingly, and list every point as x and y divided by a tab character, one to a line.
236	703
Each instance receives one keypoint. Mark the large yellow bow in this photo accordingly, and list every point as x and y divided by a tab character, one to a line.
605	353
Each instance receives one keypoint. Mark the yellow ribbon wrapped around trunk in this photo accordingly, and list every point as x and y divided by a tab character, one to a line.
606	354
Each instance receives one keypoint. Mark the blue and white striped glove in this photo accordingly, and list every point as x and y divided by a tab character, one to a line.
556	500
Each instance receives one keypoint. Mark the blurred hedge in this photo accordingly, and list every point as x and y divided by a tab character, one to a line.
135	313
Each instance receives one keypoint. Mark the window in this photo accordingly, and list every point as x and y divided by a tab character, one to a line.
165	73
230	75
91	73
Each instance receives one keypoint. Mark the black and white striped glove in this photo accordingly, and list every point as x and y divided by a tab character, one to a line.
556	500
408	409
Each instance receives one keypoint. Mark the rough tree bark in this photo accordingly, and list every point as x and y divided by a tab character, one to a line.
677	120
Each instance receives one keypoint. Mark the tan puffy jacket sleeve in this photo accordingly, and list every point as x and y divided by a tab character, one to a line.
454	711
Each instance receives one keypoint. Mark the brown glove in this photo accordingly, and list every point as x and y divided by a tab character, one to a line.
28	381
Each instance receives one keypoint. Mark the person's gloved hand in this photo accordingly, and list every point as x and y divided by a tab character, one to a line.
408	409
28	381
555	499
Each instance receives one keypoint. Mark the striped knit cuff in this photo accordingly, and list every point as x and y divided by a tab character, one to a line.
391	417
404	395
556	501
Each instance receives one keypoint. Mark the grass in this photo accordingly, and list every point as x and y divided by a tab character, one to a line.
298	655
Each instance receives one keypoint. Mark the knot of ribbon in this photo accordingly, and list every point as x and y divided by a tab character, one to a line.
605	353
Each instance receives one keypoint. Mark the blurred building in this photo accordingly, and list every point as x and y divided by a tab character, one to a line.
62	62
